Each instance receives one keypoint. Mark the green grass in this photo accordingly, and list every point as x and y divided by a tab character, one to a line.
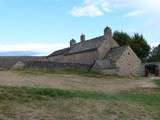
24	93
122	104
85	73
157	82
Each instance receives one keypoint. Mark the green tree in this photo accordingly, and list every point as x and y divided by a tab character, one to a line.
155	54
140	46
137	42
122	38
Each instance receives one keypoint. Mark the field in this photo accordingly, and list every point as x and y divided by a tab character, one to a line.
75	95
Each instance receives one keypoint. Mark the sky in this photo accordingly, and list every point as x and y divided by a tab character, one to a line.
43	26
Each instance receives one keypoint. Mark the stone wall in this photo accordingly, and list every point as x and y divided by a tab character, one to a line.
37	63
53	65
105	47
104	67
101	64
129	64
82	58
8	62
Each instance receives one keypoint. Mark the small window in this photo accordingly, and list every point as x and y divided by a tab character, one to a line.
129	53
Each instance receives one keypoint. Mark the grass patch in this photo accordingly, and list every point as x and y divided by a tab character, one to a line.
24	93
85	73
157	82
68	104
31	93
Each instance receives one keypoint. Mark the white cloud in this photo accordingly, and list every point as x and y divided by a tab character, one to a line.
154	43
91	8
100	7
134	13
147	6
43	48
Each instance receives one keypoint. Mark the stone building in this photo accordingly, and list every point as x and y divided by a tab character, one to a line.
102	53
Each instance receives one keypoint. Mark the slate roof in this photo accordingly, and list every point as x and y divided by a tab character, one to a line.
91	44
60	52
88	45
115	53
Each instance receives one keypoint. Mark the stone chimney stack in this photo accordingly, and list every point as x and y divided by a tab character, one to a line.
107	44
82	38
72	42
108	33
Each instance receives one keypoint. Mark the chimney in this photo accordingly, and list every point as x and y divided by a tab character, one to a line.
82	38
72	42
108	33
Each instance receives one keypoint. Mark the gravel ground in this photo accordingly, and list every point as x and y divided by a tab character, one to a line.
74	82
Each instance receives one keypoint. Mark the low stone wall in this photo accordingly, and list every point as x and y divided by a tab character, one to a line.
37	63
8	62
54	65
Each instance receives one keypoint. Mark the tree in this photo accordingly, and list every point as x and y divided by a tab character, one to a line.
140	46
122	38
155	54
137	42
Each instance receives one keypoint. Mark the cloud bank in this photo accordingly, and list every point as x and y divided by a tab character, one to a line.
93	8
38	49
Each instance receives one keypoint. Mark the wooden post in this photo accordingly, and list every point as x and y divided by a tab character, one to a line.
157	71
146	72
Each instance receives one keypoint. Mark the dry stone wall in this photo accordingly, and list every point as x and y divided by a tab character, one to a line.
8	62
53	65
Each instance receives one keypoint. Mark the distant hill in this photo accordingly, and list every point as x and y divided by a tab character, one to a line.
19	53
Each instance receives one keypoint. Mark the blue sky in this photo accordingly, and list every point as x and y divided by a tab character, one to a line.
46	25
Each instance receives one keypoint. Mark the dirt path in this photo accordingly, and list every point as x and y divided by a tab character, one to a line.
74	82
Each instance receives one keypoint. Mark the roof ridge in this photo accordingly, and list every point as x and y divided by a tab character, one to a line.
88	45
89	40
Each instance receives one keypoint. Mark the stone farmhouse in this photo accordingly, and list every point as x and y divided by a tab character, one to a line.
102	53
